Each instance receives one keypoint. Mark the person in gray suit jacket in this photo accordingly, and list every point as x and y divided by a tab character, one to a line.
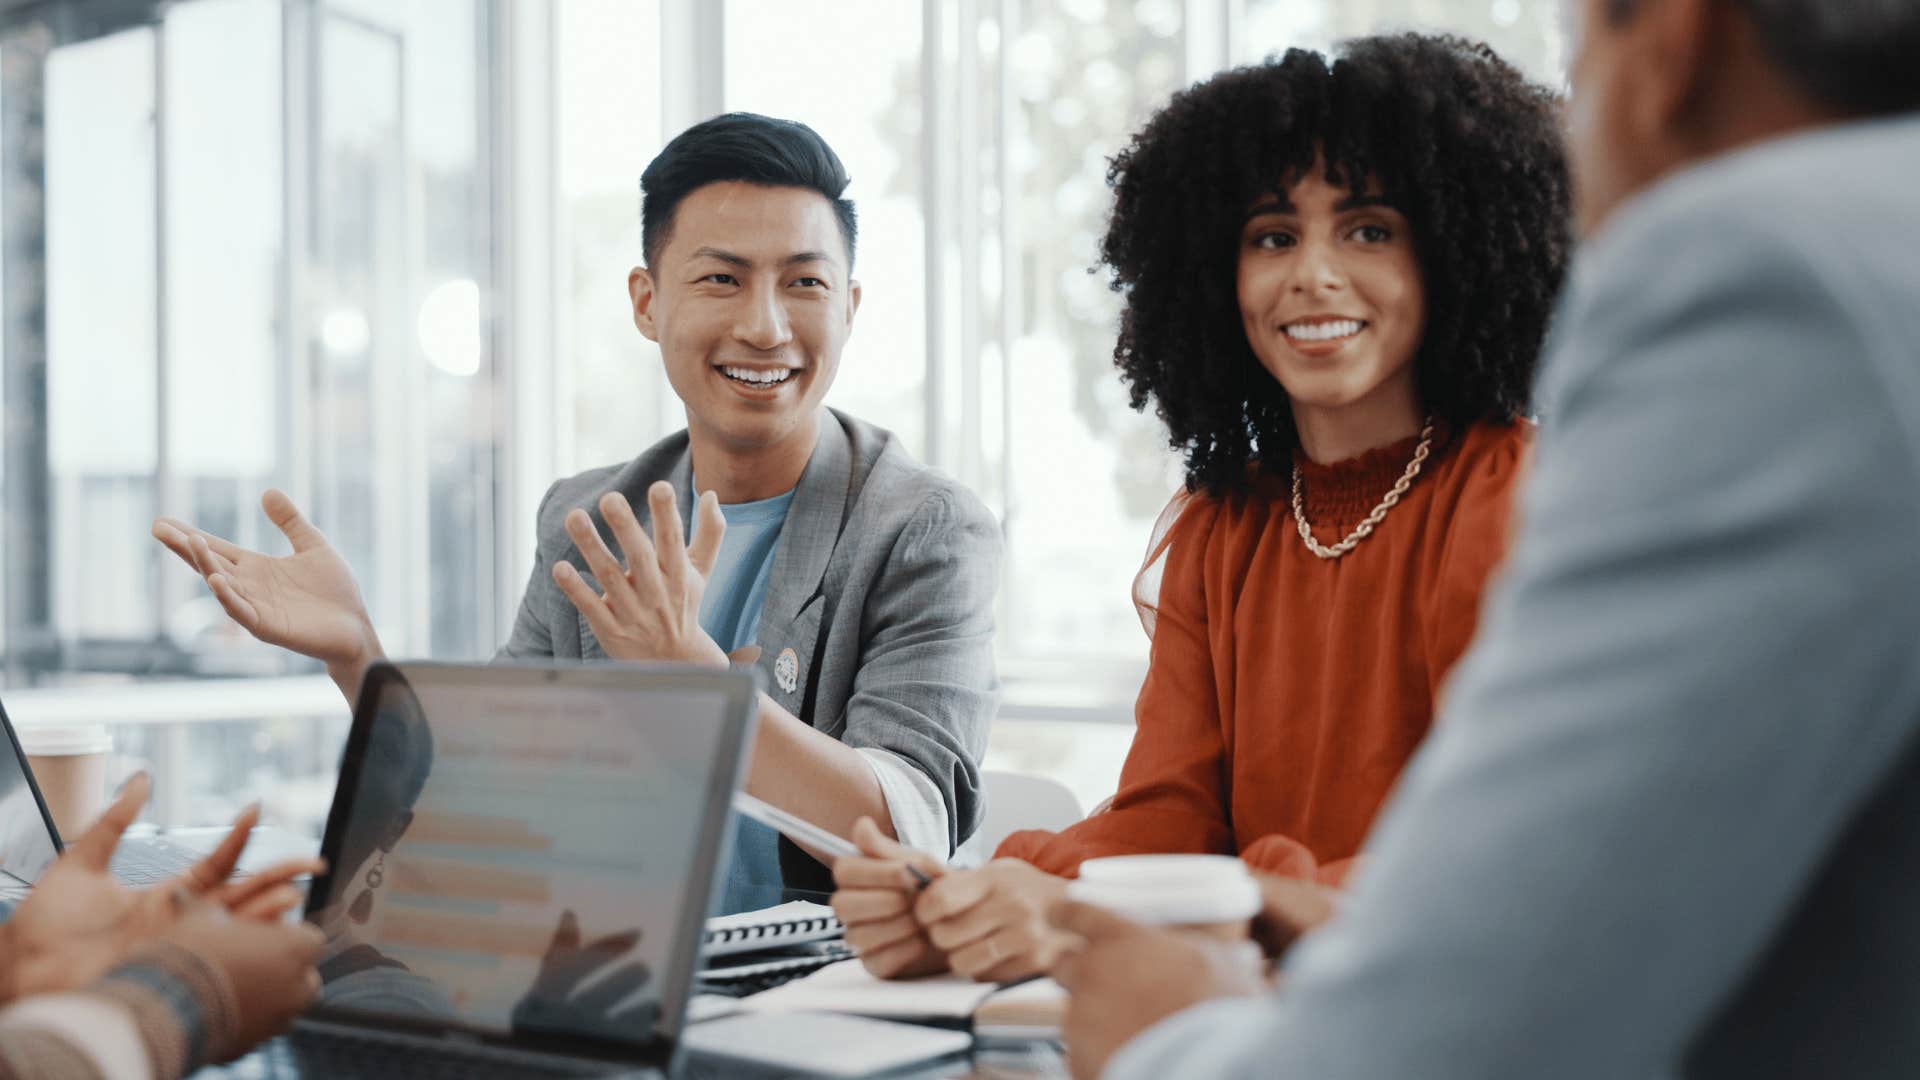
1668	823
859	583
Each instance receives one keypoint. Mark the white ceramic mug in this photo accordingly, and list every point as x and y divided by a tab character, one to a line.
69	762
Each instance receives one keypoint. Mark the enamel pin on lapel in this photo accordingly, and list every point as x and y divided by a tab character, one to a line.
786	670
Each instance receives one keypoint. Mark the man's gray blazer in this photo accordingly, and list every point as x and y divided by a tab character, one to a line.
1668	823
878	622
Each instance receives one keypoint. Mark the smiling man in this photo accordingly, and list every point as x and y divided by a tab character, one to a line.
860	583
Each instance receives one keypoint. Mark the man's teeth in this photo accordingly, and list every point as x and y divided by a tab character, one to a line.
758	377
1324	331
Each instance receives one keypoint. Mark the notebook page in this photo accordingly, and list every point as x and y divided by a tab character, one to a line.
846	987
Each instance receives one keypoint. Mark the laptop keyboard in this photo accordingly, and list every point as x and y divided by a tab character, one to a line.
149	862
346	1056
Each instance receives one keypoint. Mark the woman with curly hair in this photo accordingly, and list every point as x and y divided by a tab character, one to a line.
1337	277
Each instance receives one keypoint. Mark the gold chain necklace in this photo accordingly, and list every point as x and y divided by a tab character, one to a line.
1373	520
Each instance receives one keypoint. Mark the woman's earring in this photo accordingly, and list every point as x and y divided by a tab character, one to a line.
362	908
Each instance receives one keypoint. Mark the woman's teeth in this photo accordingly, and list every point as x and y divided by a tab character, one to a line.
757	377
1324	331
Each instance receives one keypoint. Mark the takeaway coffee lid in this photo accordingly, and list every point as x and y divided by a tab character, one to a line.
61	740
1170	889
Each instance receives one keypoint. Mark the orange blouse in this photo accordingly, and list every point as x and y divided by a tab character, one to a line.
1286	692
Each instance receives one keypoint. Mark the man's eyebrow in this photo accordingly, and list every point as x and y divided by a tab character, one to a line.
806	257
727	257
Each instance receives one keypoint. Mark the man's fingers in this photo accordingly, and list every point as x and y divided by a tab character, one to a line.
591	604
96	845
709	525
1089	921
208	561
613	577
643	567
185	533
289	520
213	870
234	602
174	538
669	534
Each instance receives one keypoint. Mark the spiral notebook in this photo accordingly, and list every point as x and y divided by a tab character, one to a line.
770	928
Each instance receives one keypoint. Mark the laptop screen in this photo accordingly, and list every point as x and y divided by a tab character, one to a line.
521	855
26	842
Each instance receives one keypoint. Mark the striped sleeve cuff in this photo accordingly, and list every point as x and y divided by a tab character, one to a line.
183	1005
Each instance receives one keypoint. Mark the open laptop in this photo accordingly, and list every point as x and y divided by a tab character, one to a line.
29	840
520	859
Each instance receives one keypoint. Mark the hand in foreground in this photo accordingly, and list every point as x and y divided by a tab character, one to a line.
578	989
650	609
306	601
1126	978
1289	907
874	898
270	966
79	922
992	922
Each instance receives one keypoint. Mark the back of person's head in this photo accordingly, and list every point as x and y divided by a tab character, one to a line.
744	147
1857	57
1455	138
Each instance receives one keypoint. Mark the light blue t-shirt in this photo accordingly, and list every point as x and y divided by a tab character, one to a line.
730	614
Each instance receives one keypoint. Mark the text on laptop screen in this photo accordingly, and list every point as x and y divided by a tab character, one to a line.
518	858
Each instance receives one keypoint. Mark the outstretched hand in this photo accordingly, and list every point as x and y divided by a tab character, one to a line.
79	922
649	608
307	601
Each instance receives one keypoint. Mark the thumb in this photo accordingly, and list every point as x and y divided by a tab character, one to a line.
875	845
95	846
1090	921
289	520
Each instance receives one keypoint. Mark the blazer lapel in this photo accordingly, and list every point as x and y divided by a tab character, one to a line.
791	616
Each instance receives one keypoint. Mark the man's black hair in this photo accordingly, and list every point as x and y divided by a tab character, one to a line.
1861	57
746	147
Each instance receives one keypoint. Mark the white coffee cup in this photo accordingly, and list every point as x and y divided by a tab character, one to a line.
1211	895
69	762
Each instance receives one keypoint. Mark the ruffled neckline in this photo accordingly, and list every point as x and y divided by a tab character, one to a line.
1344	492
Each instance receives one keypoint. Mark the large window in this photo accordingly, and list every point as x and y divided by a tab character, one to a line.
247	243
375	252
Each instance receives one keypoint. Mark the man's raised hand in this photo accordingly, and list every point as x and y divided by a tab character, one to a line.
647	608
307	601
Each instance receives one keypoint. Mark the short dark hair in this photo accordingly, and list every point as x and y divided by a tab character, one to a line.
1861	57
745	147
1457	140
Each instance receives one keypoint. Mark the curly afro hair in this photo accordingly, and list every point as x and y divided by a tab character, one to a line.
1455	138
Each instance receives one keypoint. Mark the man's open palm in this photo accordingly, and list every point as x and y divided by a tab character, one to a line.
306	601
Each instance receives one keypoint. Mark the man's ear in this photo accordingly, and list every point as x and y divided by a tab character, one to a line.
853	301
1677	44
641	293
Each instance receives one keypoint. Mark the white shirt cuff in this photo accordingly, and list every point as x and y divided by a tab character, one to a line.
918	810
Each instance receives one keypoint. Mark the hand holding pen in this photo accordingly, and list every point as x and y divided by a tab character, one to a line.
816	839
